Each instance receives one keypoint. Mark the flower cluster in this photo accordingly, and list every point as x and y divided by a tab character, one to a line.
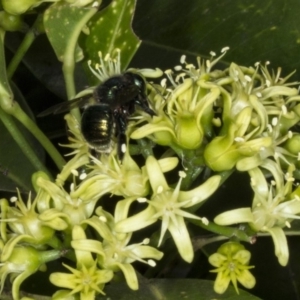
211	121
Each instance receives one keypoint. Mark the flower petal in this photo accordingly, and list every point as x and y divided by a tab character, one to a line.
280	243
217	259
242	256
130	275
202	192
87	245
221	283
83	256
147	252
239	215
138	221
63	280
156	176
122	209
182	239
246	279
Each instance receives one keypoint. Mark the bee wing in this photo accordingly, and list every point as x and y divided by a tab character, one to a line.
115	95
66	106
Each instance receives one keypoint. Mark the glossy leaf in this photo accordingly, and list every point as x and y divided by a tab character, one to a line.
254	30
111	29
62	22
170	289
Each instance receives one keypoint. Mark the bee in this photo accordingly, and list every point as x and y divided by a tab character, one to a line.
114	101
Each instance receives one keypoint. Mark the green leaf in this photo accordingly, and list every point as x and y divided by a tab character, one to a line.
170	289
254	30
62	23
111	29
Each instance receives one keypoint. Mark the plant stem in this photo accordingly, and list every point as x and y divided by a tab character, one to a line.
19	114
16	134
24	46
69	59
224	231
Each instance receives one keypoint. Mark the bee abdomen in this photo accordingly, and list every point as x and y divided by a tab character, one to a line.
97	126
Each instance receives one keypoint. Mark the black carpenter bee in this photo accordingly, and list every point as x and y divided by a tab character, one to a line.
114	102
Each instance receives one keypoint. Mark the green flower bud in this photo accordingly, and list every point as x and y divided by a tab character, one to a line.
18	7
11	22
188	134
22	262
293	144
35	177
230	248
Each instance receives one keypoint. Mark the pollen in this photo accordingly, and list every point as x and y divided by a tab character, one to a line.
239	139
163	82
159	189
274	121
123	148
205	221
182	59
248	78
82	176
225	49
13	199
182	174
141	200
103	219
75	172
151	263
284	109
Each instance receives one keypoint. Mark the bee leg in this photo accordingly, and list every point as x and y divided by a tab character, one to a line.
121	126
142	102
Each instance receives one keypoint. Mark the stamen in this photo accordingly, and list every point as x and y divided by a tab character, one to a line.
142	200
208	64
284	109
182	59
178	68
225	49
270	128
103	219
274	121
13	199
146	241
239	139
159	189
82	176
151	263
205	221
163	82
248	78
182	174
75	172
